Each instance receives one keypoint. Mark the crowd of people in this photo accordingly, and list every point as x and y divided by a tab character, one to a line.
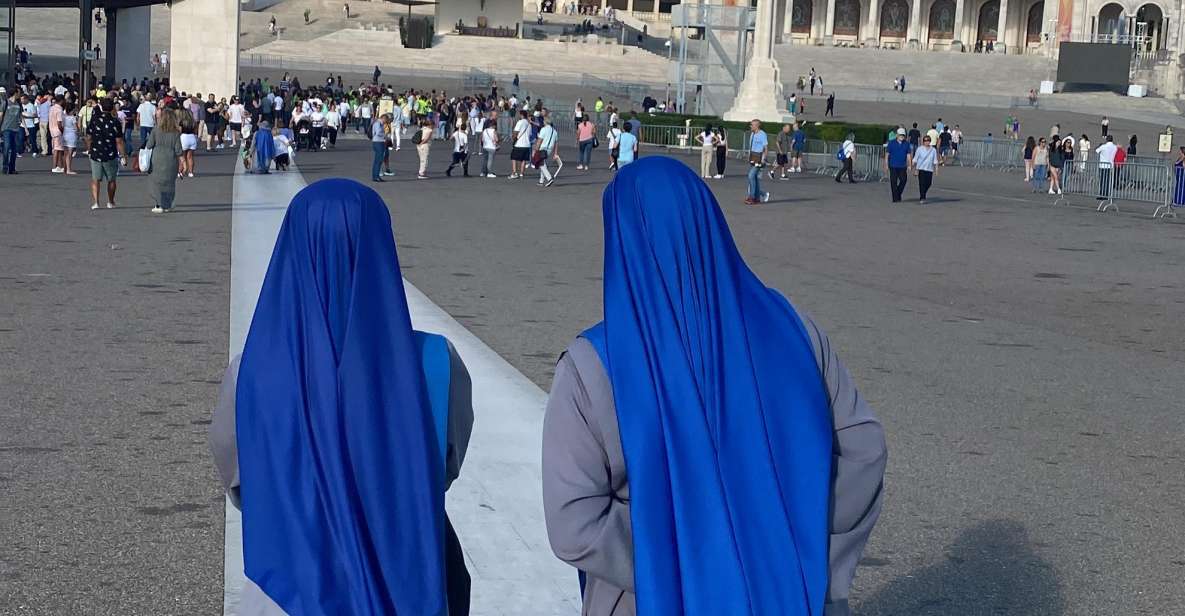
47	116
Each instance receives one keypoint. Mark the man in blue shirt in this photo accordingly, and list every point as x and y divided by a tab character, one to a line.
799	139
898	157
627	147
758	145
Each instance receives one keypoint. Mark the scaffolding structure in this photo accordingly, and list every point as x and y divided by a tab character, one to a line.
714	42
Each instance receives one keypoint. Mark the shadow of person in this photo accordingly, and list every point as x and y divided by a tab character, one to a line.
990	570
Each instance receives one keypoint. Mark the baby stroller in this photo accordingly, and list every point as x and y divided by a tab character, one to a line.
304	135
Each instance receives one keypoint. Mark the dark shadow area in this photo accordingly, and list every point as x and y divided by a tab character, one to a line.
990	570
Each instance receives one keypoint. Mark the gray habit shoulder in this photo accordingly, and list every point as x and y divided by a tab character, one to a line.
586	492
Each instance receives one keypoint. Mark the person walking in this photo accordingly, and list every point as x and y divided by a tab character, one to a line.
797	145
721	151
627	146
460	138
69	136
1056	160
378	144
758	146
189	142
898	158
423	147
57	115
707	421
1106	153
614	139
925	159
521	146
146	117
707	141
104	137
1027	153
165	143
830	105
1040	164
545	151
489	146
1084	149
10	128
848	151
784	143
586	138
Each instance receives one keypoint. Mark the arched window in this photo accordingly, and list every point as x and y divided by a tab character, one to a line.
942	20
847	18
1035	25
801	14
895	18
989	21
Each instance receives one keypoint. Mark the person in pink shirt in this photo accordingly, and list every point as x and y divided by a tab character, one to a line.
57	117
586	137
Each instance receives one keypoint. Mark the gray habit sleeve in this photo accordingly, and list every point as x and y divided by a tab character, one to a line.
860	455
585	492
222	433
224	446
460	417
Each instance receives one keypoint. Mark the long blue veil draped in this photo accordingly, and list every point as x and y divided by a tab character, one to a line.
342	494
725	420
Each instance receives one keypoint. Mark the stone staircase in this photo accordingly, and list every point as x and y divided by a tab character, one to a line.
537	60
930	71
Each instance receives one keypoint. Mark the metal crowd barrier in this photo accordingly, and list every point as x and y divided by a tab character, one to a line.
1140	182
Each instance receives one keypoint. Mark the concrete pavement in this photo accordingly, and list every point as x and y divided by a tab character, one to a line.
1025	360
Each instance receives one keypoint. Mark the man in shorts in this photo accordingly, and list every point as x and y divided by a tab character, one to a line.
798	145
104	137
784	142
521	150
57	115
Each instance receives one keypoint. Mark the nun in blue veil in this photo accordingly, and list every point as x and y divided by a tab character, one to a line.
263	145
705	452
339	428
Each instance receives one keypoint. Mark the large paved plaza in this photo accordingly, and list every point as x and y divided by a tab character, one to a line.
1027	360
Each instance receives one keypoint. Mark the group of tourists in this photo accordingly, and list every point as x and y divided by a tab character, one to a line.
342	488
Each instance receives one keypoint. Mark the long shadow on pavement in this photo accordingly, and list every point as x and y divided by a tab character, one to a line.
990	569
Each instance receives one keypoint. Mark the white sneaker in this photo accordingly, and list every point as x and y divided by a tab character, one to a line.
765	198
157	210
719	176
94	206
57	170
1051	191
190	175
110	205
490	175
388	173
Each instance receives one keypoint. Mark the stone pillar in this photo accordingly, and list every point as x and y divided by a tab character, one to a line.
1002	28
960	25
915	24
829	22
656	5
781	25
874	24
204	46
760	94
128	43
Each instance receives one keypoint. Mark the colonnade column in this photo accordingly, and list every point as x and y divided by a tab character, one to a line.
1002	27
915	23
873	38
829	30
960	25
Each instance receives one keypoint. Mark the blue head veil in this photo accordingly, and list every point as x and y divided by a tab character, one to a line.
725	421
265	147
343	502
